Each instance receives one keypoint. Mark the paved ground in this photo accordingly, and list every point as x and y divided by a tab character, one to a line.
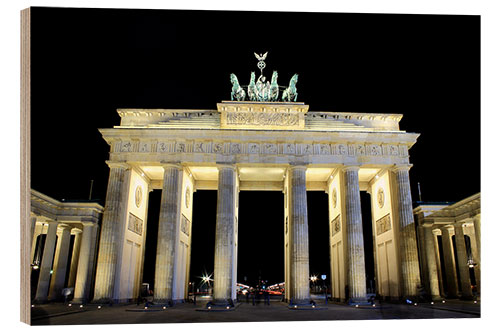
59	314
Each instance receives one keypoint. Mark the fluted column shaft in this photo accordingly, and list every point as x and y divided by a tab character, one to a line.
112	221
477	232
168	225
410	271
463	267
60	263
225	234
299	236
82	283
430	257
449	262
33	224
74	259
356	277
42	289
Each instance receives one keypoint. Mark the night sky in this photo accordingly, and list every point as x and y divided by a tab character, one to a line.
86	63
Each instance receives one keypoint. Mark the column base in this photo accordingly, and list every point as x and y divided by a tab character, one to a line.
302	304
435	298
163	302
221	305
357	301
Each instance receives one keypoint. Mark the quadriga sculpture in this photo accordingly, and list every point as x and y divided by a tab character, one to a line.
274	90
290	93
237	92
252	88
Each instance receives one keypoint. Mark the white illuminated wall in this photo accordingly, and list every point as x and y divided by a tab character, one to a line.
130	259
183	244
337	240
385	243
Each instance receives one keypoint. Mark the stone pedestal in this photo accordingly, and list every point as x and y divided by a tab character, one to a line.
299	236
356	277
168	224
463	268
60	262
74	258
112	225
42	289
224	235
449	262
432	269
410	272
85	262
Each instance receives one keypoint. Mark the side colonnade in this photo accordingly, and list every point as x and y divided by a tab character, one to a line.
64	240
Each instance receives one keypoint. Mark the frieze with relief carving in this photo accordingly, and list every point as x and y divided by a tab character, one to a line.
264	148
383	224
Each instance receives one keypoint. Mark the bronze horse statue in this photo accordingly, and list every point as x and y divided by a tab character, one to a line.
290	93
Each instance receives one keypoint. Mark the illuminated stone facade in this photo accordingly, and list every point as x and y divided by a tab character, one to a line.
57	221
266	146
458	228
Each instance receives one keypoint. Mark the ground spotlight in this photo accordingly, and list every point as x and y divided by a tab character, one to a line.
444	301
209	307
164	307
32	305
475	302
145	308
69	304
415	304
314	306
98	306
81	306
357	305
295	306
432	302
227	307
373	305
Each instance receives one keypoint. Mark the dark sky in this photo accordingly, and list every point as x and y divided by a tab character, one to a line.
86	63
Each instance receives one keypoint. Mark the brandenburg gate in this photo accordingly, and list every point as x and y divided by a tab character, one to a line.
264	146
256	143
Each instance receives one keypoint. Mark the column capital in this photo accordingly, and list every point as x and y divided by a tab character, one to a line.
297	165
175	165
227	165
121	165
448	227
436	231
63	226
87	224
353	167
75	230
401	167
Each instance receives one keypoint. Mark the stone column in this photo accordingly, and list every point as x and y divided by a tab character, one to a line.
477	231
463	267
435	233
476	251
60	263
33	224
449	262
82	284
225	235
112	221
42	289
430	258
299	236
408	253
74	258
356	277
170	212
